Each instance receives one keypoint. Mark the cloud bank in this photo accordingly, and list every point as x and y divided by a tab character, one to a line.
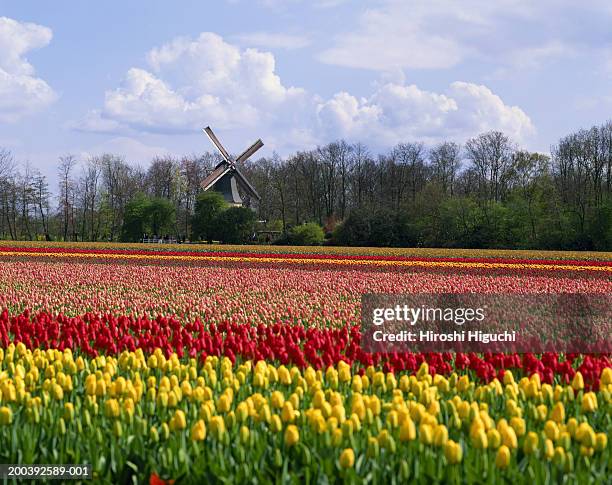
189	83
21	92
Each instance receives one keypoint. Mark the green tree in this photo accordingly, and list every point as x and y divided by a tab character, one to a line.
135	218
376	227
145	214
309	234
235	225
161	216
208	206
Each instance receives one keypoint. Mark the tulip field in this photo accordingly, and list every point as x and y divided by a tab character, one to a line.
196	364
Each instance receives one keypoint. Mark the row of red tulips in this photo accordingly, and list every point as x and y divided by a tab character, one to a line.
92	334
298	256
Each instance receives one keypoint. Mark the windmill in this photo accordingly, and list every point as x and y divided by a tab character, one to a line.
227	178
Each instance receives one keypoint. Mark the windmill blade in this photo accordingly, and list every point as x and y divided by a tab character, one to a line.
249	151
217	143
246	184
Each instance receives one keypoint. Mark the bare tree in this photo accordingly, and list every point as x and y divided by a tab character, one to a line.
41	198
445	159
67	163
7	173
528	171
491	155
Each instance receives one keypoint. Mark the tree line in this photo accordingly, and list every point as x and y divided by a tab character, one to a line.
485	193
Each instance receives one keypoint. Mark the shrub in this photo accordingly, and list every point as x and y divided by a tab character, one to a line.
375	227
309	234
207	208
235	225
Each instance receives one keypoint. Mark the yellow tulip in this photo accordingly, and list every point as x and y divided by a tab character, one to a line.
347	428
6	415
565	440
292	435
288	414
588	438
509	437
373	449
242	411
601	441
224	403
117	428
68	411
383	438
494	438
463	384
275	423
392	419
111	408
453	452
551	430
426	434
541	412
90	385
347	458
440	435
463	409
518	424
589	402
578	382
344	371
318	399
58	392
407	430
549	449
178	421
284	376
374	405
277	400
245	433
502	459
198	431
480	440
217	426
558	413
339	413
531	443
559	456
582	432
606	377
357	384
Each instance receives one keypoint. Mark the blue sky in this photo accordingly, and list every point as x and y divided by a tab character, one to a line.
141	78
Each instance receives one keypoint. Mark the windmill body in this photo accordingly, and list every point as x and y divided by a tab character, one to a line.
227	179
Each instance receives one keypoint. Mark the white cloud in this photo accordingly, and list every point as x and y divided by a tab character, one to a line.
191	83
270	40
398	112
401	35
421	34
394	37
21	92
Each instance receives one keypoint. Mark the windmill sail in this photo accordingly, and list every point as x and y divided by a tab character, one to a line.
227	178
